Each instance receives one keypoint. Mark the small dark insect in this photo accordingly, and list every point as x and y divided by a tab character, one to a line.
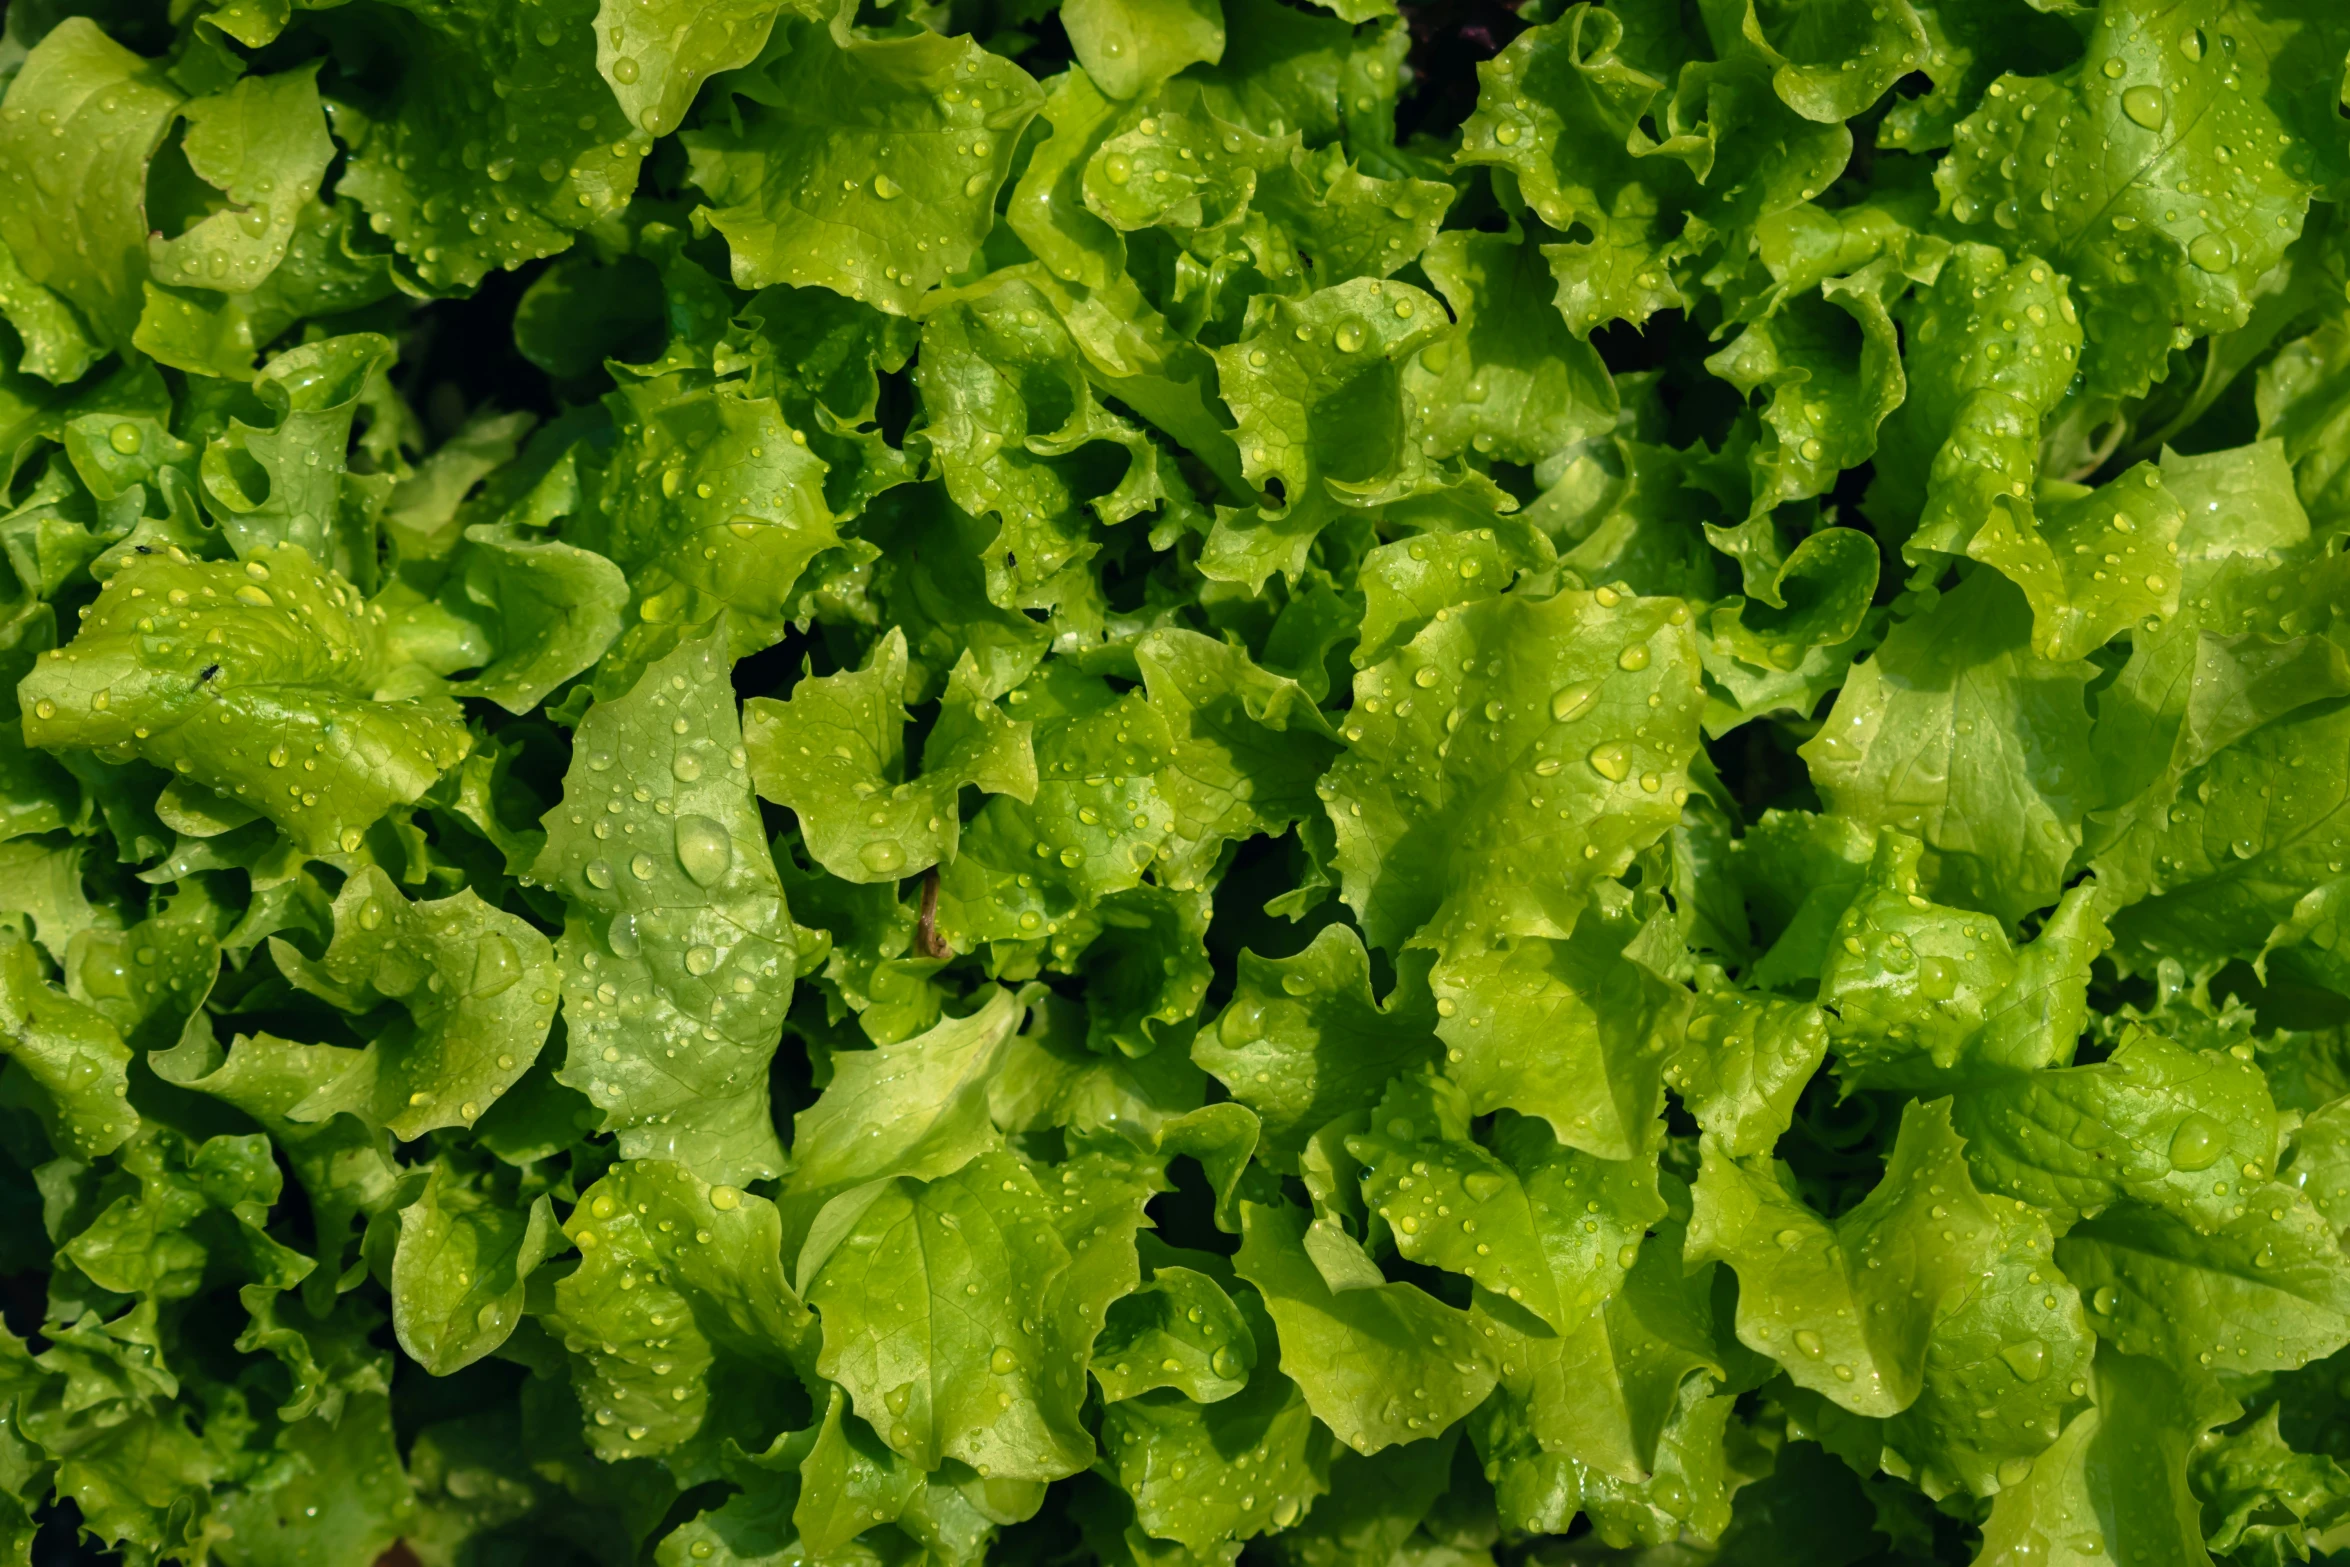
209	671
141	549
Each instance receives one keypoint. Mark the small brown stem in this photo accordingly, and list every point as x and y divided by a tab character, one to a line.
926	938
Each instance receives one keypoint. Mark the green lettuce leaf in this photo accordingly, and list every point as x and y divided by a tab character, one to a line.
1304	1041
2269	1498
1181	1331
1741	1063
1205	1475
550	155
939	1362
655	58
2262	1291
459	1272
335	1489
1810	1289
835	753
193	1214
478	985
1513	382
262	143
1571	1031
258	681
53	343
1315	388
1517	1234
306	497
81	232
1964	449
1957	732
678	1321
677	937
868	166
1832	373
2089	178
2150	1124
2096	564
1130	46
70	1064
711	505
1513	726
1926	995
2114	1487
343	1162
919	1107
1030	872
1378	1365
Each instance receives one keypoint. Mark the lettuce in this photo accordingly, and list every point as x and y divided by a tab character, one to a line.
1174	781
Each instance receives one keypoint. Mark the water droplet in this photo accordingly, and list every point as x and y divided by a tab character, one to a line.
641	867
2196	1144
497	967
624	70
371	915
621	936
700	960
1610	761
1225	1362
883	855
2114	68
2191	43
2144	105
705	850
1348	337
725	1198
125	438
2212	252
1634	657
1572	702
1003	1362
1808	1341
886	188
2104	1300
599	874
2028	1359
2015	1471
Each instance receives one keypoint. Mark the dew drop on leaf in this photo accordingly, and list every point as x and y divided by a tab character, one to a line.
2196	1144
